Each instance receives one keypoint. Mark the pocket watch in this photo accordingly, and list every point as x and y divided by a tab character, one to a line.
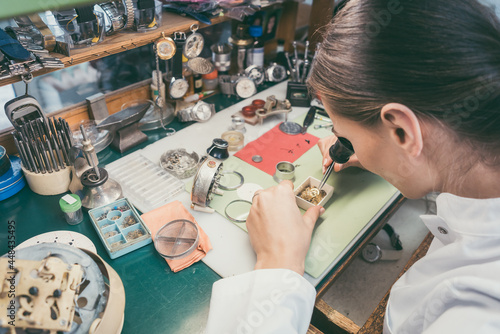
165	47
275	73
256	73
194	43
178	85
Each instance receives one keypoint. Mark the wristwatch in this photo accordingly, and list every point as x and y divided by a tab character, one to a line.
242	86
275	73
256	73
200	112
178	85
373	252
115	11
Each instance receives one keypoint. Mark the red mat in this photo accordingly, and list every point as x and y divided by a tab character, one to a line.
275	146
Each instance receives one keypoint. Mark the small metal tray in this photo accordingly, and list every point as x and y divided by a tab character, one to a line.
120	228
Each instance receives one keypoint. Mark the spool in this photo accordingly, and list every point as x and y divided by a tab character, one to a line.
54	183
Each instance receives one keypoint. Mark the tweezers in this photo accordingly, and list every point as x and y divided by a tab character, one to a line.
329	171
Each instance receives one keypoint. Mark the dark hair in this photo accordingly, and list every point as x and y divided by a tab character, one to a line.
441	58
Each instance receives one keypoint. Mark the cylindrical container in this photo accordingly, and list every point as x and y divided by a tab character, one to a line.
248	111
210	80
71	206
235	140
219	149
221	56
284	171
259	103
238	124
197	82
54	183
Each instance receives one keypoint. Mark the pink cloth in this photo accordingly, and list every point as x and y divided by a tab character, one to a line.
175	210
275	146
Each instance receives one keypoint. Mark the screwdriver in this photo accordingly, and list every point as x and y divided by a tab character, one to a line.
340	152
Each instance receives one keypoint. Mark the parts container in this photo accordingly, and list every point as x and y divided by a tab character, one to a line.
120	235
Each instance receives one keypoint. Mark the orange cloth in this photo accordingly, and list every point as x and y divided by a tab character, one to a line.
175	210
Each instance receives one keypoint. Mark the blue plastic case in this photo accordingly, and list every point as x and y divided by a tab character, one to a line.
120	228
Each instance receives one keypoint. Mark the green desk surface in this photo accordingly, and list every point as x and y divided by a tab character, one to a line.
157	300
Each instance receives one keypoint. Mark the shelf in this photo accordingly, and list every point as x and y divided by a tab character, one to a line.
122	41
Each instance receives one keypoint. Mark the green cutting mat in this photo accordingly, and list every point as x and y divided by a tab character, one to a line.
359	195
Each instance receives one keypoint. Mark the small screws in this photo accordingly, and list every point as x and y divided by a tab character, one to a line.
33	291
57	293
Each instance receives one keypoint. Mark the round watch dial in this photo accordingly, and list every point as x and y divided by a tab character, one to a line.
277	73
202	112
245	88
165	48
256	74
194	45
371	252
178	88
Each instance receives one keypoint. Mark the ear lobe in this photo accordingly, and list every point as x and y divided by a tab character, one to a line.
404	127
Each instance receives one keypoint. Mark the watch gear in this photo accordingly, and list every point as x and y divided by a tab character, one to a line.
275	73
256	73
194	43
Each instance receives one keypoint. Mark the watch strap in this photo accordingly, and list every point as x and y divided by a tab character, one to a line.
12	48
180	40
227	84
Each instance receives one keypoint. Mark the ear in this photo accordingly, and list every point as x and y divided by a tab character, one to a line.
404	127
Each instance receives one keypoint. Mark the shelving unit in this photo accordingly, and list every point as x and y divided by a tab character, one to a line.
122	41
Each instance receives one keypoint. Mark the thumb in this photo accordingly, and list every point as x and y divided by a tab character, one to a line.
312	214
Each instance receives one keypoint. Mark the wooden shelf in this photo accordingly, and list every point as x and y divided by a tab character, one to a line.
122	41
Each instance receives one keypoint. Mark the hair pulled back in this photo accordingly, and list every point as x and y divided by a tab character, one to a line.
441	58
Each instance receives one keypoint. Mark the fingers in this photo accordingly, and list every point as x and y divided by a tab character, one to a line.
312	214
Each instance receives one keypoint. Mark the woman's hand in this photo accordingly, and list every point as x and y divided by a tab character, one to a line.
324	145
279	234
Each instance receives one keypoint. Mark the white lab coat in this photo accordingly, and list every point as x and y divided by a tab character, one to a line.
455	288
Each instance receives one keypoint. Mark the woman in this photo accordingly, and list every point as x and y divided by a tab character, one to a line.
415	87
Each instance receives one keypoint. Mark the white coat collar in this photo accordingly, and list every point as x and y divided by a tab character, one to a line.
464	216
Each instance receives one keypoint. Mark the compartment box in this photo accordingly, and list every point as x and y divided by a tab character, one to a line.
311	181
118	244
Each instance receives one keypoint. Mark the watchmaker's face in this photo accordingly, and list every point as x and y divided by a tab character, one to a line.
378	153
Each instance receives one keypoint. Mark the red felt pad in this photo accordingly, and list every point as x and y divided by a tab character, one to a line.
275	146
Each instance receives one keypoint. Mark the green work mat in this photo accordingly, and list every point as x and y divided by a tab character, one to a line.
358	197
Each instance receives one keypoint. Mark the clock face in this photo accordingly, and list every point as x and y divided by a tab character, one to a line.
245	88
278	73
203	112
178	88
371	252
165	48
257	75
194	45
